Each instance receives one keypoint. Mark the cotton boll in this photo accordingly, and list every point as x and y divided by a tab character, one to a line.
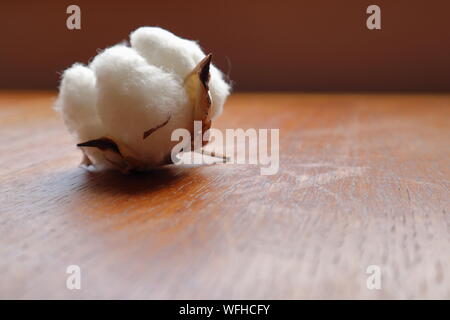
124	107
174	54
133	97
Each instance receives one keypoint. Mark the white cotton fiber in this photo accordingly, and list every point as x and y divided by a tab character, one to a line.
128	90
77	102
176	55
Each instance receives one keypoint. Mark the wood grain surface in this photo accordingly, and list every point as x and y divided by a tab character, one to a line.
363	180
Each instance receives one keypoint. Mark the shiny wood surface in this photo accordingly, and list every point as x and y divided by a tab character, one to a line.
363	180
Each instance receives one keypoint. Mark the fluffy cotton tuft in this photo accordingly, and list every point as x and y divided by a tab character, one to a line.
125	91
179	56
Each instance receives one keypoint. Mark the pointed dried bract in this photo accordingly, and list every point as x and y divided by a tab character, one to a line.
118	155
196	85
103	144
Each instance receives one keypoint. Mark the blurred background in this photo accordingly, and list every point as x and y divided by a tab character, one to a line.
286	45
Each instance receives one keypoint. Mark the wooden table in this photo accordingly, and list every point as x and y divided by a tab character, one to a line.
363	180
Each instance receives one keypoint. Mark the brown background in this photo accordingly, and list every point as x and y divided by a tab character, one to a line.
262	45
